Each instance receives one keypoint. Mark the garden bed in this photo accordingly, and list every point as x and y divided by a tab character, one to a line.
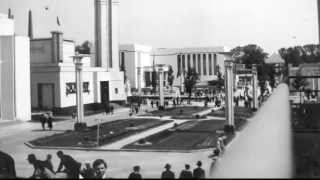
185	112
238	111
186	136
109	132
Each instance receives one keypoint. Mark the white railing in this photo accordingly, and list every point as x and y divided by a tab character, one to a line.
263	149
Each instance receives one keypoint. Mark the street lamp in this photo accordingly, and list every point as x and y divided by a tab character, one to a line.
79	125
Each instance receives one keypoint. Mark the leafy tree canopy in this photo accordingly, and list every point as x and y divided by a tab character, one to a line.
84	48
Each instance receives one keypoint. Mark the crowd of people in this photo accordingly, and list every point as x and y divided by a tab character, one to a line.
73	169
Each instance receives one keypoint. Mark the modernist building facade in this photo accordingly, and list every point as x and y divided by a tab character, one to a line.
53	71
14	73
207	61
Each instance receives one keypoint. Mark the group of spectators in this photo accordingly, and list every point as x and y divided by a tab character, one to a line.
71	168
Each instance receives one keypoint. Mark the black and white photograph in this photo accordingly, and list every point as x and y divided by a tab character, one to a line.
159	89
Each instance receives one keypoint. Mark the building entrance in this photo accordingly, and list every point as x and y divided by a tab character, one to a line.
104	91
46	96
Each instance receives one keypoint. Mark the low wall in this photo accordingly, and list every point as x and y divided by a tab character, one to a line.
263	149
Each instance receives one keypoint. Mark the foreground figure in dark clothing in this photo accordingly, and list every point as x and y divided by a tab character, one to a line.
167	174
186	173
7	167
135	174
71	166
199	173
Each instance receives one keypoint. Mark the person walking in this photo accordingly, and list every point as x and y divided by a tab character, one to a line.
7	166
186	173
111	109
136	173
100	167
71	166
167	174
49	120
199	173
43	120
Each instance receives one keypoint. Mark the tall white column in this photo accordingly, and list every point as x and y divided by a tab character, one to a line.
254	87
228	64
139	80
161	96
79	91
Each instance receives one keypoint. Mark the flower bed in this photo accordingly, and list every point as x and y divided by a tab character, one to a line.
109	132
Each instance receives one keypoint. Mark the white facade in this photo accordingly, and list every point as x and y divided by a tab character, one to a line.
51	80
204	59
15	73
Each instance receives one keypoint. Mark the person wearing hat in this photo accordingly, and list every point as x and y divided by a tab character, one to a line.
167	174
199	173
186	173
135	174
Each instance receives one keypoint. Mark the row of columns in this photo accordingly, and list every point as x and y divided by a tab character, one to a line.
199	63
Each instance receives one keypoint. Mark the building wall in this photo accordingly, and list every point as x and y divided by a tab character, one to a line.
7	77
41	51
22	78
42	75
138	55
7	27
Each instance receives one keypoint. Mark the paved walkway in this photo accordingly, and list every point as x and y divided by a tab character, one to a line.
13	137
121	143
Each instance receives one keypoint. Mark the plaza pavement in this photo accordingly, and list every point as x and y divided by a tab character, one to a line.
13	137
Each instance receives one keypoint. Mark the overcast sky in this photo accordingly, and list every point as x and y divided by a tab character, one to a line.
272	24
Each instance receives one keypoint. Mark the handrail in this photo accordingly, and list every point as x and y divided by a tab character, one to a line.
263	149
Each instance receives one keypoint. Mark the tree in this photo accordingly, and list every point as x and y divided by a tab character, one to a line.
170	76
250	54
253	54
85	47
299	83
191	80
219	82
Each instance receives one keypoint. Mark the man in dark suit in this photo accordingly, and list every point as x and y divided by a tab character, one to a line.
199	173
7	167
71	166
167	174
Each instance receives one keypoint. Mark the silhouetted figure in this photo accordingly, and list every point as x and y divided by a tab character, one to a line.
167	174
49	163
71	166
7	166
152	104
49	120
39	167
111	109
199	173
43	120
136	173
186	173
100	167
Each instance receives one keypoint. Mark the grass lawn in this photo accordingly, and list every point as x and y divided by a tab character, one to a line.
189	135
109	132
185	112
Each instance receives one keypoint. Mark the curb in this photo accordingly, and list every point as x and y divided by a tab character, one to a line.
117	150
